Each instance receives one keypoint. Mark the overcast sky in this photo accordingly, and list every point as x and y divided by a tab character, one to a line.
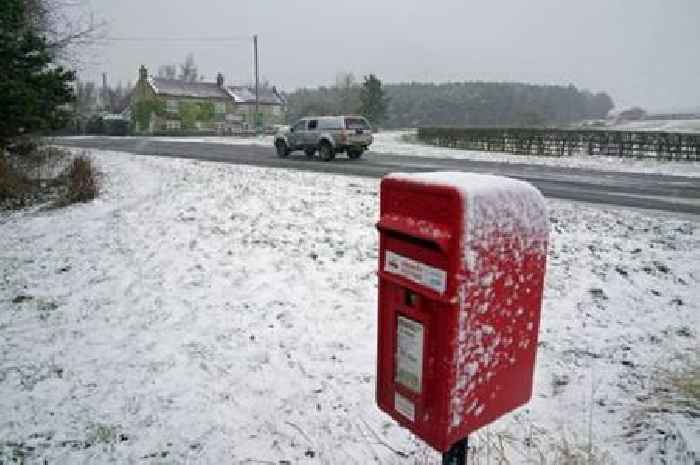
644	52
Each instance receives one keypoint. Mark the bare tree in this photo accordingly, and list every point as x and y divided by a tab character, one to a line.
85	98
344	80
168	71
118	98
348	92
67	25
188	70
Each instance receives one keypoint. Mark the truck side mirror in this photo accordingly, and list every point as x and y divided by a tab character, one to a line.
291	129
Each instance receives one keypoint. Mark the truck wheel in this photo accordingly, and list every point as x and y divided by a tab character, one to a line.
326	152
310	152
354	154
282	149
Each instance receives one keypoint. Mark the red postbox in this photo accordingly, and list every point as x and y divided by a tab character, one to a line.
461	274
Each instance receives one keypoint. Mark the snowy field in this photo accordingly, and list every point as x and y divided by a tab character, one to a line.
201	313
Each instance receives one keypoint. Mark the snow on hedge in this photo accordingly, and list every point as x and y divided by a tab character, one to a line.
211	313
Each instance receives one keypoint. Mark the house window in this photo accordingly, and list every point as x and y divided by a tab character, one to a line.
172	124
220	108
276	110
171	106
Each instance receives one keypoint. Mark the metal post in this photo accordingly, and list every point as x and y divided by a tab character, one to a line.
257	84
103	97
457	455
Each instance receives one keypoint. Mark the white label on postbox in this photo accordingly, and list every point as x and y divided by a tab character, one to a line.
409	353
426	275
404	406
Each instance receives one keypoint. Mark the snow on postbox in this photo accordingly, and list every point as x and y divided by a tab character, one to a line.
461	273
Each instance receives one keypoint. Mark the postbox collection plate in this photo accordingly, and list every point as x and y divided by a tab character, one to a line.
409	353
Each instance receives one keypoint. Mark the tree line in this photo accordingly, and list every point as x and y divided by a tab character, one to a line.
456	104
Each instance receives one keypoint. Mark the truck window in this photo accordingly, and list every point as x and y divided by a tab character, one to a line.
330	123
313	124
300	126
356	123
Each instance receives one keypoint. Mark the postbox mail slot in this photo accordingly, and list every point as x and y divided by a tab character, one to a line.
421	232
415	255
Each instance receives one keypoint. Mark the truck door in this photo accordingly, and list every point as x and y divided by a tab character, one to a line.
311	133
296	137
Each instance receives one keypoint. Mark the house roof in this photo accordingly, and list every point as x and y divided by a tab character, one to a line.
239	94
243	94
178	88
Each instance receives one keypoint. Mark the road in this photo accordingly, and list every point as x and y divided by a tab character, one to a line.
674	194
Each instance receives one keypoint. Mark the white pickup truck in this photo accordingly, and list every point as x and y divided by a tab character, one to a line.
327	135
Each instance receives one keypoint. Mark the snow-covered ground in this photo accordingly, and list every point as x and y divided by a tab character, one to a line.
683	125
213	313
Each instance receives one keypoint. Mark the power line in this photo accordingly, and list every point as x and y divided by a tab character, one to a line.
175	45
178	39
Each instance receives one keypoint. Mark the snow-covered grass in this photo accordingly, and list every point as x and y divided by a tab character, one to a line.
213	313
406	143
264	140
685	125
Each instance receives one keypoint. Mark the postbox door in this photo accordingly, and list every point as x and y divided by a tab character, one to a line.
407	335
413	371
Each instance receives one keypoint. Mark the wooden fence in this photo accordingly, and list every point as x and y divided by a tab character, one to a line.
568	142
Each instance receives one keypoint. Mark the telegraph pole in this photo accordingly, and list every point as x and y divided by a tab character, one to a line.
257	82
103	96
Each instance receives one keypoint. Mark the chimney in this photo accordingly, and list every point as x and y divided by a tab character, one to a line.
220	80
143	73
